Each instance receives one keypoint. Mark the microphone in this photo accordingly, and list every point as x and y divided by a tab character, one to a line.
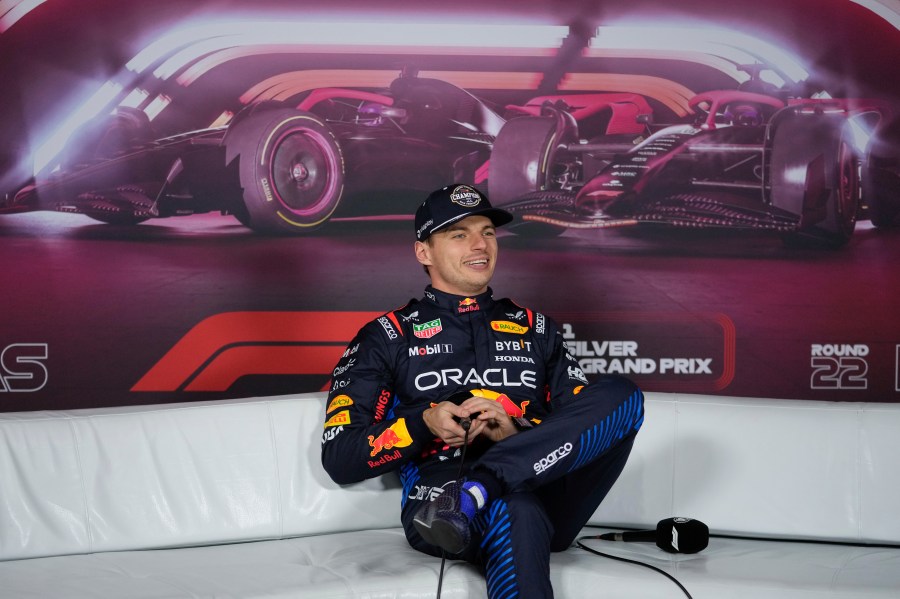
673	535
465	423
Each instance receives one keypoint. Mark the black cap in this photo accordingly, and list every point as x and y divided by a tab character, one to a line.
452	203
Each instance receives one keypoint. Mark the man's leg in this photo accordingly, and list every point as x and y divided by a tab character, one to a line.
571	500
421	486
514	549
581	448
591	429
511	539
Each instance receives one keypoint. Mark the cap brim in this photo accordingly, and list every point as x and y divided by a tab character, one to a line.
498	216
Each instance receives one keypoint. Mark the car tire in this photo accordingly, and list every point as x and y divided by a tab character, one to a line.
521	166
827	196
291	170
524	153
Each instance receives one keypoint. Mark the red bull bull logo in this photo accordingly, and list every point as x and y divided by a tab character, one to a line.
470	304
512	408
395	435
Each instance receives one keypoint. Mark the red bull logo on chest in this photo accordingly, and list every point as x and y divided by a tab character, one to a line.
470	304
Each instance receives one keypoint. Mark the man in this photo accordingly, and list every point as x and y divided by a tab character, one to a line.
459	375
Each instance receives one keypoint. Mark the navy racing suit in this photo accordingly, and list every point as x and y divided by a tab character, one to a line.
574	435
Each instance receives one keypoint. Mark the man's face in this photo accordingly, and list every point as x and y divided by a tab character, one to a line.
461	257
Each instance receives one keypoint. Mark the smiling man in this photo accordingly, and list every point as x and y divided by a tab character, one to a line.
461	257
460	368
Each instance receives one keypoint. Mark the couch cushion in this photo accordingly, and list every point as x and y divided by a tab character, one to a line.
733	568
245	472
216	472
379	563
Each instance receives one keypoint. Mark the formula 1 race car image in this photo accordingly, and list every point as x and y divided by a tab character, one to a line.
802	168
277	167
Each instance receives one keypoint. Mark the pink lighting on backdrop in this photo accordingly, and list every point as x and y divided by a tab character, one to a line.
12	11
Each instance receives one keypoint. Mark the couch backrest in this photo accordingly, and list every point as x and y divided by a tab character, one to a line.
85	481
140	477
766	468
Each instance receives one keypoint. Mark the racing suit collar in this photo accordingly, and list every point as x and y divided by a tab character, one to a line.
459	304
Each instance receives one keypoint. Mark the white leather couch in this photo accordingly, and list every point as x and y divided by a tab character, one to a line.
228	499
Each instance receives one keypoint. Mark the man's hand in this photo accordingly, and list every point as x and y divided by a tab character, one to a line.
443	421
487	417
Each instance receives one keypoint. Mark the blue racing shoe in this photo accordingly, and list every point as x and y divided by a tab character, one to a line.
445	521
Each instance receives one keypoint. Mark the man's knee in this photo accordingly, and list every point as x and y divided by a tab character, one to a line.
626	396
616	385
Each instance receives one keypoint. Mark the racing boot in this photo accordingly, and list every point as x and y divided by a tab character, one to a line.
445	521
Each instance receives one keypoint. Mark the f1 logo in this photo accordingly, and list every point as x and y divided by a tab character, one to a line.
222	348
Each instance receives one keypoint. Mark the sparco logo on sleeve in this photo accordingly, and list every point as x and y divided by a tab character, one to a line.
388	327
539	323
554	456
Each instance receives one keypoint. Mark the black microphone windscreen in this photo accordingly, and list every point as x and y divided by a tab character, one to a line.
682	535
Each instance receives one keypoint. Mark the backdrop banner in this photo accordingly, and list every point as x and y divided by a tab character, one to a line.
209	203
